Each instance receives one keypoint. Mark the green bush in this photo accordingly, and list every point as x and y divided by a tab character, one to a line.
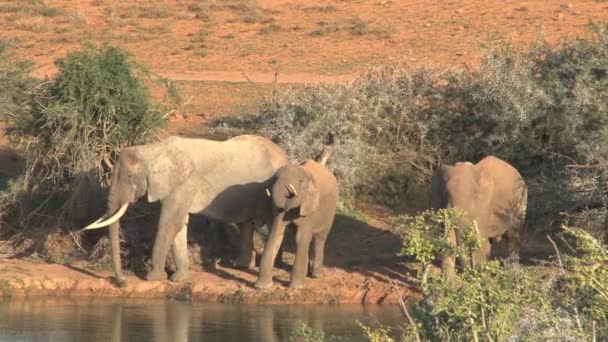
587	277
305	333
69	129
506	301
425	236
15	80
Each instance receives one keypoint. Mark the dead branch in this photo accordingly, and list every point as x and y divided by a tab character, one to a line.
404	310
328	150
255	86
577	319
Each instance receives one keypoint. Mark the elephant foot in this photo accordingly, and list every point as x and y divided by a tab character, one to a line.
119	281
180	275
317	273
263	284
156	276
245	261
297	285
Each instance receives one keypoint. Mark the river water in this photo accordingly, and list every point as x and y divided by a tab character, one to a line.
103	319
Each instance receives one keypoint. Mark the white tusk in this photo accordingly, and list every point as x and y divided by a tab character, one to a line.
268	192
292	189
476	227
97	224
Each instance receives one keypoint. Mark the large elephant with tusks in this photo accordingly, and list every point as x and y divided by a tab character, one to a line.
491	193
223	180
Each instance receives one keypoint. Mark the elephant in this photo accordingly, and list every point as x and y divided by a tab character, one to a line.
262	215
305	197
492	194
223	180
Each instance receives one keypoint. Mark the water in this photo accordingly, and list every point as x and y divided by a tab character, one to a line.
103	319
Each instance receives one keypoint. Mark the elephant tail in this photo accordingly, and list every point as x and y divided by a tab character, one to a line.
328	150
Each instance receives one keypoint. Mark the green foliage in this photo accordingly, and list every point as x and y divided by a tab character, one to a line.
426	236
305	333
376	335
69	130
486	301
588	275
505	301
15	80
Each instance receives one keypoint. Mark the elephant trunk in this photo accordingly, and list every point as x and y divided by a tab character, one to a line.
271	249
113	206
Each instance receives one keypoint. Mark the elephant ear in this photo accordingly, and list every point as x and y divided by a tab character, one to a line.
165	172
310	197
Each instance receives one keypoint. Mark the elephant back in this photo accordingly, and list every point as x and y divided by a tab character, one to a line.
509	197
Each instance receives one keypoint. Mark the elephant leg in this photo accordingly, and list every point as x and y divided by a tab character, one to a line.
448	262
246	257
180	251
214	228
279	261
481	255
273	244
318	254
513	237
173	216
300	267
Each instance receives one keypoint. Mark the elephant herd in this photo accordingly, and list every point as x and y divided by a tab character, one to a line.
248	180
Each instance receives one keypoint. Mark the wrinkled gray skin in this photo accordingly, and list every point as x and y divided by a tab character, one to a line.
226	181
492	193
311	211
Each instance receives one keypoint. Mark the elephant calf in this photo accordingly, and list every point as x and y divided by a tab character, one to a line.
305	197
492	193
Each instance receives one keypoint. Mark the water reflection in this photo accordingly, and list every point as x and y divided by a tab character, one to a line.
99	319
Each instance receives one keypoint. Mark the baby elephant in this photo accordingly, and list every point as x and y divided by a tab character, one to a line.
304	196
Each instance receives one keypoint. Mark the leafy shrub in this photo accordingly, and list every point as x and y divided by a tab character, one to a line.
70	130
587	276
15	80
425	236
506	301
305	333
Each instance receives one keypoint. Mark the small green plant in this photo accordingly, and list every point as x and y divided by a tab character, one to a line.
587	276
427	235
305	333
376	335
